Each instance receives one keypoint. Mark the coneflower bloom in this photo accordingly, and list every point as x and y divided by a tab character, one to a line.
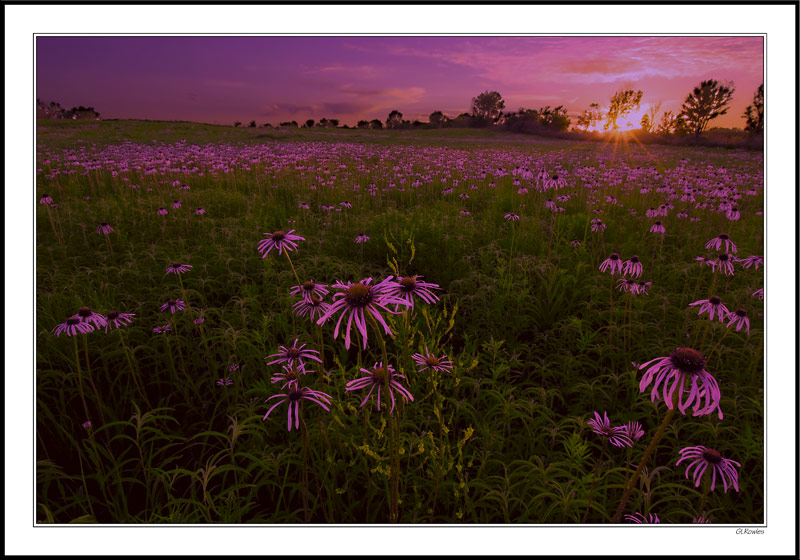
634	431
199	211
313	307
162	329
46	199
380	377
283	241
753	260
702	458
670	374
739	319
759	293
617	435
733	213
73	326
430	361
640	518
632	266
642	288
176	204
719	241
293	354
613	262
104	228
309	288
466	213
362	238
289	375
173	305
354	300
711	306
511	217
707	262
724	264
626	285
224	382
576	243
86	315
162	212
345	204
598	225
87	425
407	288
118	319
178	268
658	227
199	321
701	519
293	396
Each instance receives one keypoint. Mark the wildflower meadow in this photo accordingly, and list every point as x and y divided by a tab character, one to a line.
250	326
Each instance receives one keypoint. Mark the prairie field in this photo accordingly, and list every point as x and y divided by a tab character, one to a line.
168	393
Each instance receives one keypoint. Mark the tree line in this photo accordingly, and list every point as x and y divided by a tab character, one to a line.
54	110
707	101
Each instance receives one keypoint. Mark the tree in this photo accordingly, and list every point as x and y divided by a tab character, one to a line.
755	113
623	102
438	119
333	123
363	124
237	123
707	101
310	123
395	119
652	113
667	124
590	117
375	124
645	123
488	107
555	119
252	124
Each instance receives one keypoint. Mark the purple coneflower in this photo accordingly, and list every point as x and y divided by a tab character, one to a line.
707	262
722	239
640	518
733	214
668	374
740	319
354	299
176	204
173	305
293	354
642	288
86	315
104	228
626	285
634	431
753	260
345	204
293	397
289	375
712	305
46	199
73	326
379	377
313	307
224	382
759	293
87	425
658	227
632	266
724	264
178	268
199	211
283	241
162	329
407	287
701	519
466	213
598	225
199	321
162	212
576	243
362	237
511	217
617	435
430	361
613	262
308	289
704	457
118	319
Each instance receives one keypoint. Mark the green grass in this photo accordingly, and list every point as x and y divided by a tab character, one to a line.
538	346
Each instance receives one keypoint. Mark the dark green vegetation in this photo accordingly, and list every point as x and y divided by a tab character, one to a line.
539	337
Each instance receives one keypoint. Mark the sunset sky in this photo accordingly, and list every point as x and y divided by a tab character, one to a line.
271	79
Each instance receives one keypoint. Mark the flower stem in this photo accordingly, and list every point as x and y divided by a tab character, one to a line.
594	480
296	277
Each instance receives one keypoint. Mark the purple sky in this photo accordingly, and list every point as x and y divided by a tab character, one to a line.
272	79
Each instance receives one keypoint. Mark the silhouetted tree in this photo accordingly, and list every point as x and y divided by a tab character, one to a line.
394	120
323	122
289	124
437	119
555	119
237	123
487	108
623	102
333	123
707	101
590	117
363	124
667	124
310	123
252	124
645	123
755	113
375	124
